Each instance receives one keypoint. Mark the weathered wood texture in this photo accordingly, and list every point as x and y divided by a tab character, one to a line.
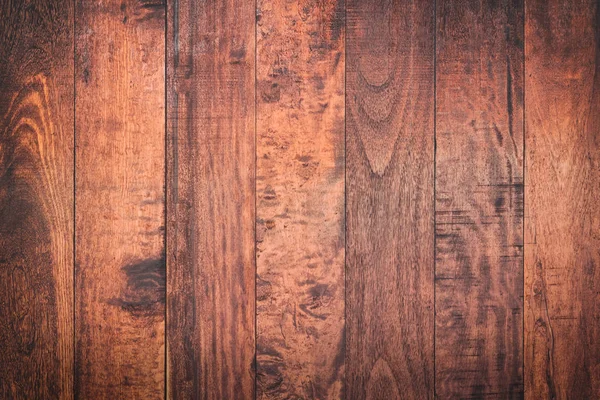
120	156
389	189
36	199
211	201
358	170
479	199
300	199
562	258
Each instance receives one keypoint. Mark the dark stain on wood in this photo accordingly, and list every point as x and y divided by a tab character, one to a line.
145	291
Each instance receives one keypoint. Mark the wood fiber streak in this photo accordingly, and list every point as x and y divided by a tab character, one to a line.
389	189
562	258
479	200
120	155
300	194
36	199
211	202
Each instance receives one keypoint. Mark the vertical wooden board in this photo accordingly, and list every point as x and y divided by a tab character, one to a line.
211	201
120	154
389	189
562	257
479	199
36	199
300	199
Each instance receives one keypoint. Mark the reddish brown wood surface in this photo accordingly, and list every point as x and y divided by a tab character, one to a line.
300	199
120	155
479	199
562	256
210	248
389	192
36	199
333	199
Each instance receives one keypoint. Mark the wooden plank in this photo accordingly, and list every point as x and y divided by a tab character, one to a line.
211	202
389	189
479	199
120	153
300	199
562	258
36	199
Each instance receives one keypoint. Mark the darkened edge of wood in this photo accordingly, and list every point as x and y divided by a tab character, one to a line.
47	62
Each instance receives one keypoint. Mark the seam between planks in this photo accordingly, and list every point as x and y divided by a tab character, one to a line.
255	201
523	252
166	199
345	378
74	285
435	32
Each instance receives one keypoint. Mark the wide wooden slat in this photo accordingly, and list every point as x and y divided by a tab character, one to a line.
479	199
300	195
120	154
210	185
36	199
562	258
389	189
300	199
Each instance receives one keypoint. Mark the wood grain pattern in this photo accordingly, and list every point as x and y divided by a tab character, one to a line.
211	202
479	199
562	258
389	189
120	155
300	199
36	199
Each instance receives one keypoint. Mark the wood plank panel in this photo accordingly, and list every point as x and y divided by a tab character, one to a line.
562	258
120	155
389	189
36	199
479	199
300	199
211	202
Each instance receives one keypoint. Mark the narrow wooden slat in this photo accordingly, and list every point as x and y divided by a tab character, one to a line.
300	199
210	199
479	199
562	258
36	199
120	154
389	189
